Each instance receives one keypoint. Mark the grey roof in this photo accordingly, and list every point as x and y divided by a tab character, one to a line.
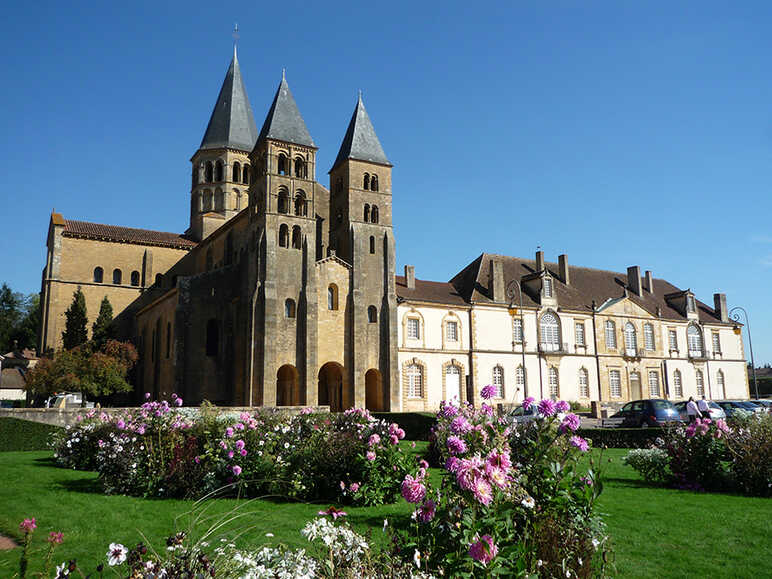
361	142
284	122
232	123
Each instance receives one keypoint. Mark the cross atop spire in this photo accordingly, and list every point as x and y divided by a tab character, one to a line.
235	38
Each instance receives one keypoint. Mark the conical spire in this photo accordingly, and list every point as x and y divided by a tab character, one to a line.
361	142
284	122
232	123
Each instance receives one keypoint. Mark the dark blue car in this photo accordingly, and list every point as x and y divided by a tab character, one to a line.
650	412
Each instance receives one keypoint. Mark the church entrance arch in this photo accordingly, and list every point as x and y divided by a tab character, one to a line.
375	398
287	390
333	388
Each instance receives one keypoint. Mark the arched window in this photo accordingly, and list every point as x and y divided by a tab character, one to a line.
366	182
245	175
678	386
611	334
554	387
301	170
648	336
289	308
367	213
283	235
653	384
98	274
415	381
584	383
297	237
209	172
218	171
694	339
135	278
283	206
520	378
631	339
332	297
498	381
212	338
550	332
374	214
282	167
700	383
372	314
374	183
720	384
219	200
236	172
209	259
301	207
372	244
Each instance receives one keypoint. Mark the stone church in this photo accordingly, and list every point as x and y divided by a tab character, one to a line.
283	292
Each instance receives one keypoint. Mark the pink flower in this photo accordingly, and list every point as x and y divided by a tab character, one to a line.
394	439
413	490
354	487
447	410
451	465
690	430
500	459
562	406
332	512
579	443
488	392
456	445
178	401
547	407
483	491
238	426
230	454
120	425
468	470
243	452
400	433
427	511
229	432
197	460
342	486
484	550
423	464
28	525
244	417
55	538
236	470
370	455
306	411
527	402
141	429
240	444
487	409
721	425
460	425
147	395
374	439
570	422
497	476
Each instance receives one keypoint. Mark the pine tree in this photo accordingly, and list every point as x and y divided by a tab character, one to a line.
102	329
75	332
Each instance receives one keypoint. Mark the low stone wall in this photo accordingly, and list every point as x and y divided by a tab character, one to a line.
66	416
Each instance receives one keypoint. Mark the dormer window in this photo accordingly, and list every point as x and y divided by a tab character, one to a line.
691	306
547	287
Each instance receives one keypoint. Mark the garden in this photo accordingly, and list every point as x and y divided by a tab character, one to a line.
167	491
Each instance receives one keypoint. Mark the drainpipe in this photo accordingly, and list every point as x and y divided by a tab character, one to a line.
707	371
471	357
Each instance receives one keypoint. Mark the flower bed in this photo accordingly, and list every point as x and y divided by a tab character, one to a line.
165	451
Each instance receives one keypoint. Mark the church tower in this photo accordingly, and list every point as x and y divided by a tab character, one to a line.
222	172
361	234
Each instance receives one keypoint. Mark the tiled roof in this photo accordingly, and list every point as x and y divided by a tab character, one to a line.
429	291
586	285
86	230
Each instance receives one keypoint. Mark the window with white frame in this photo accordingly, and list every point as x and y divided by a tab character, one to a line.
579	333
700	383
547	287
611	334
498	381
550	332
451	331
672	337
520	378
615	383
694	340
653	384
553	380
413	328
631	339
584	383
716	343
720	384
415	381
648	336
678	387
517	330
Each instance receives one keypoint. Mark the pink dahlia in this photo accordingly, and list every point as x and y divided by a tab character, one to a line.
570	422
240	444
488	392
456	445
374	439
460	425
547	407
500	459
427	511
562	406
236	469
497	476
527	402
483	491
451	465
579	443
484	550
448	410
413	490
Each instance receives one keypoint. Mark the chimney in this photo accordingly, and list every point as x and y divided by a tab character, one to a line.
563	267
496	281
539	260
410	276
648	282
634	279
719	302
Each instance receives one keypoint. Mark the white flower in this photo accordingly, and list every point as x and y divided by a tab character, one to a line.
385	524
269	534
417	558
116	555
62	570
528	502
595	543
539	563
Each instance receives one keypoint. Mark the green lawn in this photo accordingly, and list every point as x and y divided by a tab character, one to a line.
657	532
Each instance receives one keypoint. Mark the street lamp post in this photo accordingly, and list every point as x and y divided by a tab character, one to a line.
734	314
511	287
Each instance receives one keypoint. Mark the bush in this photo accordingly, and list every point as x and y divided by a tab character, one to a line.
16	435
653	464
750	456
417	425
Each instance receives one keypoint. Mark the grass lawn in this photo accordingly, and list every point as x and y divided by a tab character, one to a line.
657	532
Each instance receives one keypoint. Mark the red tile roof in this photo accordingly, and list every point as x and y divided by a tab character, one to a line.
86	230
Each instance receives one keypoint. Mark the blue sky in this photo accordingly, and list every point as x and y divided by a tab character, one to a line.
635	133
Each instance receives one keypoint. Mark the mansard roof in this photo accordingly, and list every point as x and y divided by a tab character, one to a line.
99	231
586	284
284	122
232	124
361	142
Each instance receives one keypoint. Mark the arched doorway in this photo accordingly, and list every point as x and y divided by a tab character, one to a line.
375	399
287	391
333	390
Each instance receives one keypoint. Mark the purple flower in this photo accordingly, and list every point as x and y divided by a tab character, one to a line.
562	406
370	455
482	490
243	452
579	443
467	471
178	401
374	439
229	432
488	392
413	490
448	410
484	550
28	525
451	465
354	487
236	469
460	425
240	444
456	445
332	512
546	407
527	402
230	454
570	422
147	395
500	460
427	511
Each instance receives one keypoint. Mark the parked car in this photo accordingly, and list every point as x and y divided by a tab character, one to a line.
765	403
67	400
752	407
520	415
650	412
714	409
732	406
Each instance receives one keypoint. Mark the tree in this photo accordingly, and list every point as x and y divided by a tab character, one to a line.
75	332
102	329
10	316
28	330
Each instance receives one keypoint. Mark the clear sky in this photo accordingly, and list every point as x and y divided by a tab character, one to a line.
620	133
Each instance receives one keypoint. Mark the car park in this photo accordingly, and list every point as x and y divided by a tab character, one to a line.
716	412
732	406
649	412
765	403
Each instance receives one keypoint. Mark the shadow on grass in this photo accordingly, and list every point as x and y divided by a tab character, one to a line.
45	461
82	485
632	483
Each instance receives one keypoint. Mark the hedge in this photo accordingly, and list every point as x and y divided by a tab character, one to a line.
18	434
620	437
417	425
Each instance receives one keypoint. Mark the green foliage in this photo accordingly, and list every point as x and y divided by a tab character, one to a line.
18	434
750	456
19	319
621	437
653	464
102	330
75	333
417	425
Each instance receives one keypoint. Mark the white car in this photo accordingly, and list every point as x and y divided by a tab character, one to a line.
520	415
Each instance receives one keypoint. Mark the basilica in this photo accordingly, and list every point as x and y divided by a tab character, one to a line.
283	292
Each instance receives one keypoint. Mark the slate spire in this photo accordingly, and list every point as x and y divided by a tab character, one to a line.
232	123
361	142
284	122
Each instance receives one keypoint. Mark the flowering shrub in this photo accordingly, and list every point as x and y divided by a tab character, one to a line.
653	464
750	456
697	455
511	501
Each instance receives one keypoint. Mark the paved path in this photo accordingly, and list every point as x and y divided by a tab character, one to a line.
6	543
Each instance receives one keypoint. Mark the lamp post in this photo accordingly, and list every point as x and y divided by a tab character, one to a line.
511	287
734	314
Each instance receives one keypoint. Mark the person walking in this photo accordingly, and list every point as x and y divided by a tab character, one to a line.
692	409
702	404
